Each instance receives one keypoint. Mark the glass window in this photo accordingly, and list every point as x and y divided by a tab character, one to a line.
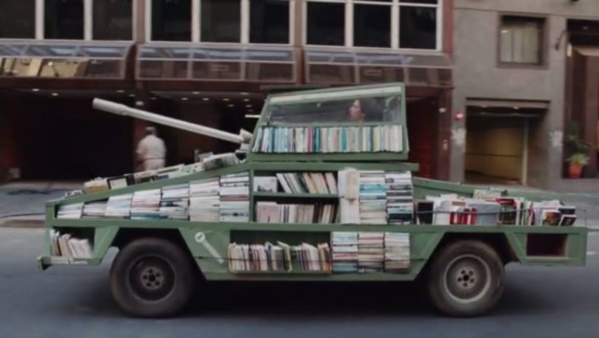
269	21
372	25
113	20
63	19
520	40
325	23
17	19
418	27
171	20
221	20
383	108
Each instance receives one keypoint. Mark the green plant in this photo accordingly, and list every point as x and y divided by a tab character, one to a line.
579	159
574	142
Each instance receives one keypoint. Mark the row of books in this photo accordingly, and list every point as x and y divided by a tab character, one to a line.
207	161
370	251
66	245
367	139
220	199
316	213
101	184
492	210
297	183
279	257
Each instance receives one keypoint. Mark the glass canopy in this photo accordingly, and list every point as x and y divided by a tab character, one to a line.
200	62
74	60
359	67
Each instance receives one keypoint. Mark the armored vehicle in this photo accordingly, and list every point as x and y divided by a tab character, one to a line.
322	190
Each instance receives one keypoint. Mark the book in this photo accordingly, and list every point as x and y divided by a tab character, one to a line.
310	140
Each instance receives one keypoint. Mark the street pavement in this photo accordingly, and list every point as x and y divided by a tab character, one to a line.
76	302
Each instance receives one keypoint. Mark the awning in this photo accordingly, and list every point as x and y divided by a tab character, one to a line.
359	67
588	51
63	60
501	103
201	62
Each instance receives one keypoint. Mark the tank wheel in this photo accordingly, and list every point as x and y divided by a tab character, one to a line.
466	279
152	277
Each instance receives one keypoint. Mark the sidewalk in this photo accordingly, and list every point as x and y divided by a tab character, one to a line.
22	203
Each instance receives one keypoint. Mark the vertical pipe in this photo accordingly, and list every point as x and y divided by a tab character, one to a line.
525	153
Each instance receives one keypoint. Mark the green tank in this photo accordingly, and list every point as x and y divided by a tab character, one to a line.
322	190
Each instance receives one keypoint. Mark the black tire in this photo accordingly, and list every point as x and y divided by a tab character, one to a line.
152	278
466	279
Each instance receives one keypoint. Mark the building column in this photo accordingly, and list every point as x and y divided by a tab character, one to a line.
443	158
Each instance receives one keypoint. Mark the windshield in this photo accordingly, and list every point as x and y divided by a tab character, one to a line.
385	108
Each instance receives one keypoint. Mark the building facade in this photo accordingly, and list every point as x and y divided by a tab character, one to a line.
525	72
204	61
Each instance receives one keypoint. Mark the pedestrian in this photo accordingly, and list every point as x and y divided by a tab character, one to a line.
151	151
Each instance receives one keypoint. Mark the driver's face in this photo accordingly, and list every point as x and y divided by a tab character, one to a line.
355	111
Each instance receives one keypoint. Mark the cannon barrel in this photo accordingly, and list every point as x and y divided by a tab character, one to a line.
121	109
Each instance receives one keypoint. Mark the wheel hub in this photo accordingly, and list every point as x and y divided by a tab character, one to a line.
467	278
151	278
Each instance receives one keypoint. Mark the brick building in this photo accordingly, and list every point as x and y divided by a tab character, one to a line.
204	61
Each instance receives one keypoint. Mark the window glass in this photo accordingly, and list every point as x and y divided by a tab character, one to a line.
221	20
418	27
113	20
372	25
269	21
171	20
325	23
362	109
17	19
520	40
63	19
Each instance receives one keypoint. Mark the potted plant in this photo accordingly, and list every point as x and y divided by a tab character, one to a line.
578	150
576	163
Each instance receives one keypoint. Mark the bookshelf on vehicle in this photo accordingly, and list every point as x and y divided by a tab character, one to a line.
364	124
322	190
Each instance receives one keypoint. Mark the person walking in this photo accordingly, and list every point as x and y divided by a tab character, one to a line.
151	151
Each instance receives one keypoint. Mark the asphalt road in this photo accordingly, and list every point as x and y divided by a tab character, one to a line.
76	302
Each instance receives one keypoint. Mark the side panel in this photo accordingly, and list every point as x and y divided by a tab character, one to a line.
208	247
549	248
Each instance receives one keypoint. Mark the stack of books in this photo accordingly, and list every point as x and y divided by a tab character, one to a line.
94	209
400	197
234	198
373	197
70	211
397	251
174	202
146	204
345	251
371	251
119	206
204	200
273	212
65	245
278	258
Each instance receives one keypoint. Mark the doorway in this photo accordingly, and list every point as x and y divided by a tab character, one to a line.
497	145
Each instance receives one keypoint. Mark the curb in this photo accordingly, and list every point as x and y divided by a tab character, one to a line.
23	223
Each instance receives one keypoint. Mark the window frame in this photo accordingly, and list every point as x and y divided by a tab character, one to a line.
395	25
88	25
196	26
543	41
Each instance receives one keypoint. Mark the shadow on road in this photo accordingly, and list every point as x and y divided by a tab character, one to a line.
272	301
